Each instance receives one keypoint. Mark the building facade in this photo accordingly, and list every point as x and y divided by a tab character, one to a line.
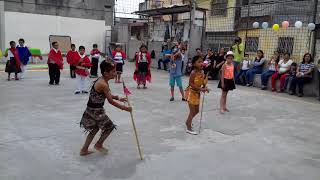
85	22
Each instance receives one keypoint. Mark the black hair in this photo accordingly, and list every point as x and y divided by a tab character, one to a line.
81	47
261	53
95	45
73	45
287	53
304	56
11	43
246	54
53	43
195	59
21	40
198	49
294	64
106	66
118	46
143	46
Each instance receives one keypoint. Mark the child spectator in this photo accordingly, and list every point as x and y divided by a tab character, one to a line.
245	66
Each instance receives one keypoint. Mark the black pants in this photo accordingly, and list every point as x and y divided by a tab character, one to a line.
54	73
72	71
300	81
94	68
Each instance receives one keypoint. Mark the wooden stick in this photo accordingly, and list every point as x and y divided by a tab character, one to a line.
202	103
135	130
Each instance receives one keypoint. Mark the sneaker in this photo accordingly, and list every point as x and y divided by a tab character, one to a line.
172	99
192	132
273	90
138	87
77	92
183	99
292	93
248	85
85	92
300	95
51	84
263	88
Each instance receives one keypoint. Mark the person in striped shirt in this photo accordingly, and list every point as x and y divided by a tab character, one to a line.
304	74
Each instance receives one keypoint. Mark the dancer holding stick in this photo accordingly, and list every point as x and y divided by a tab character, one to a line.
202	103
127	93
94	117
196	86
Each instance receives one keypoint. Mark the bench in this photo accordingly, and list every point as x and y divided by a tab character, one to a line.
310	89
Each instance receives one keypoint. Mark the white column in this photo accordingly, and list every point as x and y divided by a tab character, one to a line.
2	27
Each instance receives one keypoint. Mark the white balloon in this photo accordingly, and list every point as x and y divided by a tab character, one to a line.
298	24
255	25
311	26
265	25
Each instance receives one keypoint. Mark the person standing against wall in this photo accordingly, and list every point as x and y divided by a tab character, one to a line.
238	51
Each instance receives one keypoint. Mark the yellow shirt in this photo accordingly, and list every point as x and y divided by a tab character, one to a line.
238	56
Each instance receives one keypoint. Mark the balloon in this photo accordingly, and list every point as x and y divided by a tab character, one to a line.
285	24
255	25
265	25
276	27
311	26
298	24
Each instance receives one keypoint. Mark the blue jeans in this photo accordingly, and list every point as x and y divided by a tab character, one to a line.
250	75
300	81
265	77
235	64
240	78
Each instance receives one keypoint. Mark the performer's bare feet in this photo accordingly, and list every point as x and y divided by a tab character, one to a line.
227	110
85	153
101	149
222	111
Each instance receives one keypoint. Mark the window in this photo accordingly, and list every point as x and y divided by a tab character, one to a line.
285	44
219	7
252	44
245	2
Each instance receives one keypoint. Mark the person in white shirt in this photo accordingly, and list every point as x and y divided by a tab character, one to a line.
272	68
245	66
282	72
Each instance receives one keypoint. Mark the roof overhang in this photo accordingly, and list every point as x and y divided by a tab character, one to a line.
176	9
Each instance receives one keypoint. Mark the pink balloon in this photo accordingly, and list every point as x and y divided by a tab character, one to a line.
285	24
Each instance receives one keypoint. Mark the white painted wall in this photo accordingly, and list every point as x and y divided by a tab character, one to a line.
36	29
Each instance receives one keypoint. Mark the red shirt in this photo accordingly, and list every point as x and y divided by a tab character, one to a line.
55	57
95	52
71	56
82	64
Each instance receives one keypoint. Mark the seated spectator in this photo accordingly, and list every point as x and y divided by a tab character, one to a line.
256	69
304	75
166	53
291	75
199	52
245	66
218	62
272	68
282	71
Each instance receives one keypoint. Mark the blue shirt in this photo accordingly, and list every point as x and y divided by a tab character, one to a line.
176	72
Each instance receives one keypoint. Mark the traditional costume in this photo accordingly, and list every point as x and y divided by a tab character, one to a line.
24	55
55	63
95	56
13	62
118	59
142	73
82	64
94	116
71	56
193	95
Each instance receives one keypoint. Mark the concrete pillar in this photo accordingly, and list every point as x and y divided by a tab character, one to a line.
2	26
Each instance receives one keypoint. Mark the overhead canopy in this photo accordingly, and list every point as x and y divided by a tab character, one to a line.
167	10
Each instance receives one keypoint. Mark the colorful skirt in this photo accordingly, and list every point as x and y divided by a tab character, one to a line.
94	119
229	85
193	97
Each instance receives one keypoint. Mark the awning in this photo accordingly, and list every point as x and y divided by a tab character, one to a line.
177	9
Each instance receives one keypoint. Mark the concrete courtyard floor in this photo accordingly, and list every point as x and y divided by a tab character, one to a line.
266	136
